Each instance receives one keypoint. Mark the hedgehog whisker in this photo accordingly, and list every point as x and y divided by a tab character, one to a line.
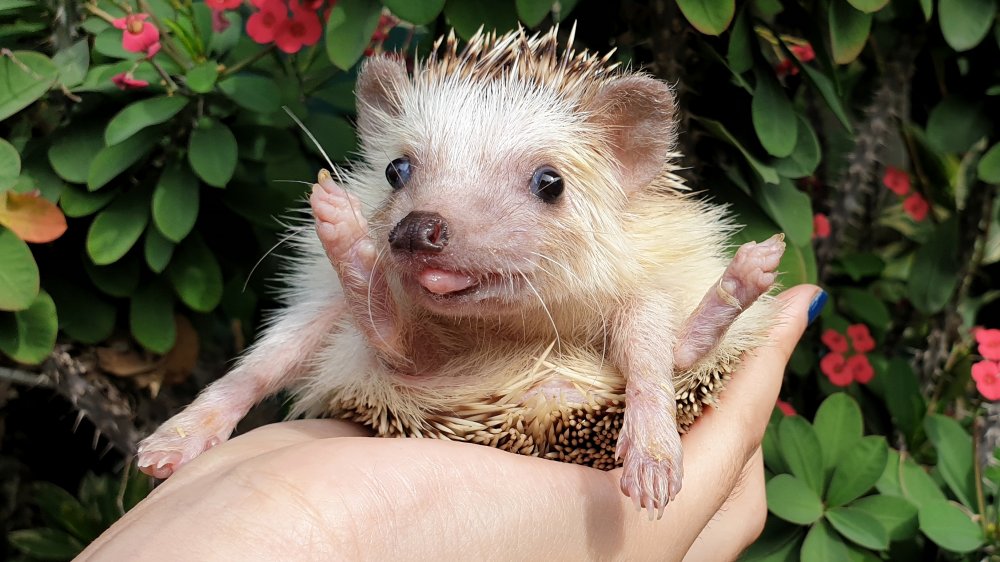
286	238
545	307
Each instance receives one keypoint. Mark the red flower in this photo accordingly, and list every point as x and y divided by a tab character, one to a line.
124	81
219	5
804	53
989	343
821	226
304	28
833	365
785	407
860	368
219	21
262	26
896	180
314	4
140	36
861	338
835	341
987	377
786	68
916	206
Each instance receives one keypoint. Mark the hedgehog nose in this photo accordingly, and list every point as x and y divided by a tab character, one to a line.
420	231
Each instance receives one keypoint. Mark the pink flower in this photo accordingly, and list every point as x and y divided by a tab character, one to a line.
861	338
785	407
262	25
804	53
219	5
860	368
786	68
124	81
140	36
833	365
896	180
987	377
835	341
219	21
989	343
821	226
916	206
303	28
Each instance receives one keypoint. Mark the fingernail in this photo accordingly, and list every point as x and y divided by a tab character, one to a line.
817	304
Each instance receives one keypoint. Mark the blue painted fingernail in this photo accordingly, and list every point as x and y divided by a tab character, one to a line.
817	304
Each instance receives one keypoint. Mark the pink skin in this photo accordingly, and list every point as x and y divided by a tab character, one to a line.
649	443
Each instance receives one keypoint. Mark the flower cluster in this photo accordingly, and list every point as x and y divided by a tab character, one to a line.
138	36
804	53
385	25
839	365
986	373
289	25
898	182
821	226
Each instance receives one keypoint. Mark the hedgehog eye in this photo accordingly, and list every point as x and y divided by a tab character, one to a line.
398	172
546	184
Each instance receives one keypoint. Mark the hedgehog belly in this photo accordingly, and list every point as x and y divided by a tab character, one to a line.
577	426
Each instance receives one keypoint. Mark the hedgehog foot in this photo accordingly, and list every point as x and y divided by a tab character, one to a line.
650	448
180	440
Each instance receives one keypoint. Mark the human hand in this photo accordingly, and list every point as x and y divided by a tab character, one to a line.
318	489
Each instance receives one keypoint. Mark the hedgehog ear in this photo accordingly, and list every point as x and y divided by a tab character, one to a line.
379	88
638	115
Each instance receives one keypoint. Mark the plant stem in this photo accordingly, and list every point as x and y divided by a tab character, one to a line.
978	471
171	85
246	62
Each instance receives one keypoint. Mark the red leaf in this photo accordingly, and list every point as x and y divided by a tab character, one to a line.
31	217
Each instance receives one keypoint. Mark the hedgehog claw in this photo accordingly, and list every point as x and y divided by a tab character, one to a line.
650	480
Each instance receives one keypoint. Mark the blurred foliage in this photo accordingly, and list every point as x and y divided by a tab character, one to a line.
144	171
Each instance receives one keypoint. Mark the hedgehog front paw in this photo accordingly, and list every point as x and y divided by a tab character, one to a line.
177	443
340	225
753	269
651	471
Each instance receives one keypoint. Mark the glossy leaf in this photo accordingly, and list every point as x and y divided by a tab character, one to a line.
710	17
823	545
774	118
869	6
29	335
84	315
157	250
45	544
801	450
905	402
19	280
740	51
859	527
897	515
954	449
31	217
766	173
989	165
417	13
151	317
10	164
532	12
790	208
196	276
118	279
918	486
212	152
951	528
934	274
141	114
857	470
838	426
71	153
849	30
965	23
467	16
866	307
113	160
175	202
201	78
61	507
256	93
793	500
26	76
806	155
116	229
76	202
72	63
349	30
955	124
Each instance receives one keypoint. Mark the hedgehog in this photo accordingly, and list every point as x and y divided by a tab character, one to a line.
512	261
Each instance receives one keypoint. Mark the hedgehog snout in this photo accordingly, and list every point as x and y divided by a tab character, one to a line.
420	231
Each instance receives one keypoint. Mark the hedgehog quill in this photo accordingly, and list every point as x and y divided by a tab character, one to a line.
511	262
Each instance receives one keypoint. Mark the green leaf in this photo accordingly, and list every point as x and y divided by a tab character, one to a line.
740	50
201	78
157	249
24	80
905	402
710	17
917	486
858	470
417	13
335	135
45	544
934	273
927	6
467	16
350	29
897	515
859	527
824	86
72	63
849	30
116	229
175	202
212	152
71	153
76	202
838	427
532	12
256	93
118	279
773	116
951	528
778	543
822	545
989	165
869	6
801	451
10	165
804	159
141	114
790	208
956	124
793	500
954	449
772	451
151	317
965	23
19	279
717	129
29	335
113	160
865	306
60	508
196	276
84	315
